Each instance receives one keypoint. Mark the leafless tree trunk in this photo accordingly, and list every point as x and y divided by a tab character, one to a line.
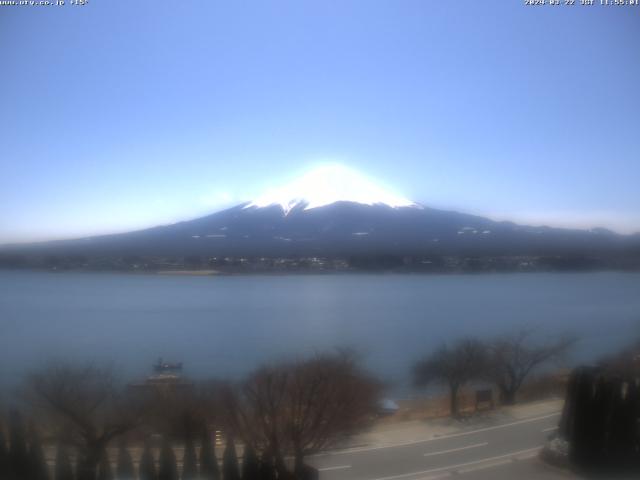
86	403
512	358
297	408
452	366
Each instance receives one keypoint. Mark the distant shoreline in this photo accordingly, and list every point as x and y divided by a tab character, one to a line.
313	272
203	265
197	273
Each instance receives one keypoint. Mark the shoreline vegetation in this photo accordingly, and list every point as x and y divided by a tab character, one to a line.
138	450
314	403
185	418
85	415
437	407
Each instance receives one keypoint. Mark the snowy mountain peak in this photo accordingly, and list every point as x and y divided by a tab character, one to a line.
329	184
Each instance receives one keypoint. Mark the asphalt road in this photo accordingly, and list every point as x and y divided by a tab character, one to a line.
503	451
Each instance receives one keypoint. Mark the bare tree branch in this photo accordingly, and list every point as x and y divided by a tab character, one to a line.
513	357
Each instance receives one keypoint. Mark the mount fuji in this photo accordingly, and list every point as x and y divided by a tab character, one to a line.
335	212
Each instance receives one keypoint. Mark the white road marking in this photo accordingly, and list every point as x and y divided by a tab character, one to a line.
337	467
484	466
433	439
549	429
476	445
511	455
497	463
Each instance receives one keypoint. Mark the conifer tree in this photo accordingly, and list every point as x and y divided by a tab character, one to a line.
147	468
209	469
230	469
4	456
63	469
250	464
267	468
18	455
584	433
168	468
189	461
633	396
124	469
105	471
37	463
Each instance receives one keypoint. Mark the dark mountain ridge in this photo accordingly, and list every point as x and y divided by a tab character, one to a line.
340	229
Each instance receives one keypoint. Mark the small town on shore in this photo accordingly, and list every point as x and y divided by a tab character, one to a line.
292	264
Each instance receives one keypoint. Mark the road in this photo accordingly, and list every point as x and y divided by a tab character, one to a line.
503	451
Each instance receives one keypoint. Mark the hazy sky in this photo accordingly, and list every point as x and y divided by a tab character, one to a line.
124	114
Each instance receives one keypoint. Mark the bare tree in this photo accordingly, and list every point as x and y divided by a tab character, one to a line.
512	358
329	398
256	411
298	408
85	403
186	411
452	366
183	412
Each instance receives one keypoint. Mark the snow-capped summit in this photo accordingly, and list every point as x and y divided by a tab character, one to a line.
330	184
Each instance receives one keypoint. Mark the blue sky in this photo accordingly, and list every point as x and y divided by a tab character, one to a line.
119	115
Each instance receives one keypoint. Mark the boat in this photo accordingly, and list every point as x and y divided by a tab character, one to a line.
162	366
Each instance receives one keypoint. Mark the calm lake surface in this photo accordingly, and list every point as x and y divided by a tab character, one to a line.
225	326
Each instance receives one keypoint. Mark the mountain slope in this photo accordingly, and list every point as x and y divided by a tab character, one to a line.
334	211
340	229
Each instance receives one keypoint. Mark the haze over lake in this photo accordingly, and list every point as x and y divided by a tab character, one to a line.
225	326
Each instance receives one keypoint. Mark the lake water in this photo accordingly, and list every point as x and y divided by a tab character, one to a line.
225	326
